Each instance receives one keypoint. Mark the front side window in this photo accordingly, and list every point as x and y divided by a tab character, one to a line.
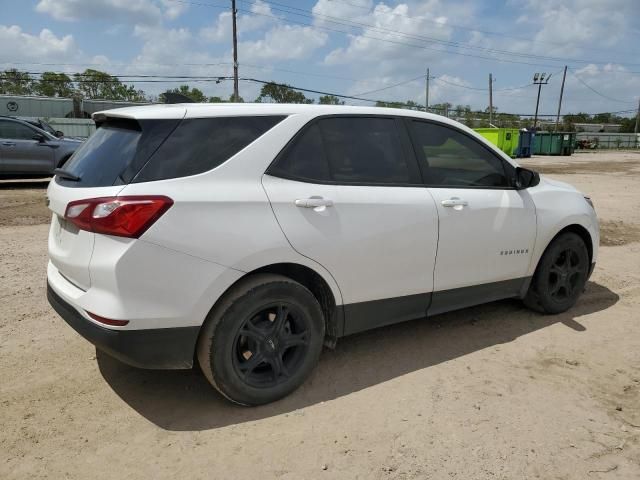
15	131
347	150
449	158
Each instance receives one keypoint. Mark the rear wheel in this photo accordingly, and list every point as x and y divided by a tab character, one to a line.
262	340
561	275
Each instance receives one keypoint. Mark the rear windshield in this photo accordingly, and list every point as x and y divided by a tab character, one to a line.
122	151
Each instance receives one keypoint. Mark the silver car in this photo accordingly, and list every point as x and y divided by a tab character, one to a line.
28	150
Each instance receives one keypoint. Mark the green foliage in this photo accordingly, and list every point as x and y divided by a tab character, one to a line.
330	100
234	99
14	82
95	84
409	104
53	84
194	94
278	93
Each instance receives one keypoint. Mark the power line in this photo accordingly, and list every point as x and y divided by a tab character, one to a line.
418	36
404	82
353	24
597	92
453	25
162	79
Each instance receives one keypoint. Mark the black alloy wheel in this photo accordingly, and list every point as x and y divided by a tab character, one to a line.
262	339
271	345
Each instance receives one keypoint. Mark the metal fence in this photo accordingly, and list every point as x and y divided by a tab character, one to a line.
73	127
608	140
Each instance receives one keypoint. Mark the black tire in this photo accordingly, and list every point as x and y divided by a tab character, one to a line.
262	340
560	276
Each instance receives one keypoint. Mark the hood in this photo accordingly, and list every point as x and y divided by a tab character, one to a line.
558	184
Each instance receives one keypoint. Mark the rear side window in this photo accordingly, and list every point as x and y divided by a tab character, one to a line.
348	150
201	144
122	151
304	158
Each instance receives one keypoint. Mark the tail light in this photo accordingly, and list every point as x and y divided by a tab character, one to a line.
128	216
108	321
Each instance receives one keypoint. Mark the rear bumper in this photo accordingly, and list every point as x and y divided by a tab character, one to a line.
158	348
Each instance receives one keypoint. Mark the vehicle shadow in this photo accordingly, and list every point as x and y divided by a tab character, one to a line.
183	400
22	184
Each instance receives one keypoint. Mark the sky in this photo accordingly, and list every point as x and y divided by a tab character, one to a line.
377	50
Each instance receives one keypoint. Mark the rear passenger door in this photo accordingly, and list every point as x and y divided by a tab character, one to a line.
347	193
487	227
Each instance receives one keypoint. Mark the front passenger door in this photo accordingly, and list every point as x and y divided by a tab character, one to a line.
487	228
347	193
20	153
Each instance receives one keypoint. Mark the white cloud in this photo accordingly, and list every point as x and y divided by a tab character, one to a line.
284	42
19	46
380	46
260	17
130	11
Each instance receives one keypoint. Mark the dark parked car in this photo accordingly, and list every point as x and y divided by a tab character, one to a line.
42	125
28	150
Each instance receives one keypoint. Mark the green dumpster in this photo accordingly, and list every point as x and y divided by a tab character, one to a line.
506	139
556	143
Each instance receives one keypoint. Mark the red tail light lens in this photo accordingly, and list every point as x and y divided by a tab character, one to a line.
128	216
108	321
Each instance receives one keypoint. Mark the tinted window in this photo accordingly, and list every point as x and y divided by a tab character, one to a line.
201	144
361	150
451	158
304	158
15	131
123	151
116	152
364	150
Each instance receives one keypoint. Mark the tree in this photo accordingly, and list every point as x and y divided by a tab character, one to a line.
278	93
101	85
15	82
216	100
409	104
194	94
330	100
53	84
234	99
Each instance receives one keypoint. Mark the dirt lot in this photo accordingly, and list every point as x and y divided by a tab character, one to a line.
488	392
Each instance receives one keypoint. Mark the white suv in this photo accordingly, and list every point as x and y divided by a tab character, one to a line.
245	236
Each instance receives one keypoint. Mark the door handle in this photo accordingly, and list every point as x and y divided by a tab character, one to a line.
454	202
313	202
9	144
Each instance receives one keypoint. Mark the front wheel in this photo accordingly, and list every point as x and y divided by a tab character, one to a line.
561	275
262	340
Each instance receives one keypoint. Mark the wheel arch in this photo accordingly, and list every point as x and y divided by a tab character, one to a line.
576	228
312	280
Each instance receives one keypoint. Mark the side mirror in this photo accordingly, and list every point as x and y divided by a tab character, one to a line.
59	134
526	178
39	137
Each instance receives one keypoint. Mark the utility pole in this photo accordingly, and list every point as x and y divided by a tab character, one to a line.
564	75
490	100
539	79
426	103
234	12
637	120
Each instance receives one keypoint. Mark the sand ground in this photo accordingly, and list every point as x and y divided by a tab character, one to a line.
490	392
